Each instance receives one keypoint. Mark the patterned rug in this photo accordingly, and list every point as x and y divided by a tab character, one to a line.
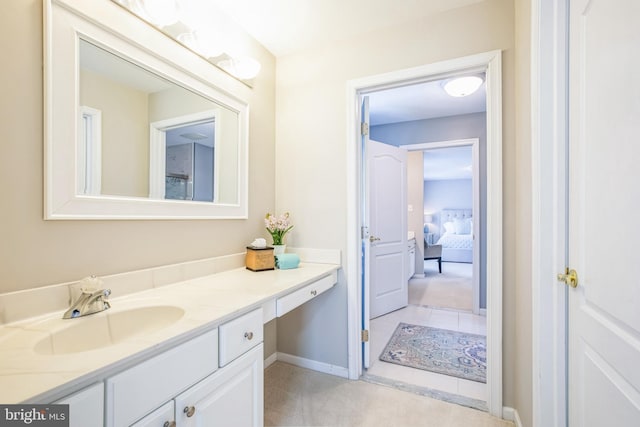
446	352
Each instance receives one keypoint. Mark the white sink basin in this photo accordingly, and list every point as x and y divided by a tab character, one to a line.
107	328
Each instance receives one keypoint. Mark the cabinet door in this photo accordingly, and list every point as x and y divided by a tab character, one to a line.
86	407
233	396
161	417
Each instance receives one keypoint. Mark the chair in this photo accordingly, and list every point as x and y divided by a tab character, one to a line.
433	252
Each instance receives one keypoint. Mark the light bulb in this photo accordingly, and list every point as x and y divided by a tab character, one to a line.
241	67
158	12
203	42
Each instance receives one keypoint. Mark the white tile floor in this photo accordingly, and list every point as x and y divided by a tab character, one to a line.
383	327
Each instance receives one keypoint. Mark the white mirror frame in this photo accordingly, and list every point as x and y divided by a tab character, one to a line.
108	25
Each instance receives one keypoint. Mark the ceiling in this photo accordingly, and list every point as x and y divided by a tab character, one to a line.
289	26
422	101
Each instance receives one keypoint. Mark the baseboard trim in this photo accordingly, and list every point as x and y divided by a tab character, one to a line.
511	414
314	365
270	360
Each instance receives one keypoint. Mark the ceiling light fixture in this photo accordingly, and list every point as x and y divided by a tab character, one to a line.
462	86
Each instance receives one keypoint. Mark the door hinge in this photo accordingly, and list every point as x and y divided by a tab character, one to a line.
364	128
365	335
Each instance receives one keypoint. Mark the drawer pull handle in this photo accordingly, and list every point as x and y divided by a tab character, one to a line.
189	410
169	424
314	292
248	335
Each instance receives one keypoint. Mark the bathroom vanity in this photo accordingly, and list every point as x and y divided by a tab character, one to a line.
188	353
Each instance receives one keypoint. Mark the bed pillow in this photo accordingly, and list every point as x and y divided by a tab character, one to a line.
449	227
462	226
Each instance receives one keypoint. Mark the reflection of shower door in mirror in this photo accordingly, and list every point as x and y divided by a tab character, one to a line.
184	165
189	172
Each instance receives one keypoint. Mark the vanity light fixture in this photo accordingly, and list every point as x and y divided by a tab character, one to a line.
462	86
202	42
160	13
241	67
206	28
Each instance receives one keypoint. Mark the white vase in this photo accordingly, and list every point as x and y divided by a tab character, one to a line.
278	249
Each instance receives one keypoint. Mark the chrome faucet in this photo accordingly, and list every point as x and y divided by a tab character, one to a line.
88	303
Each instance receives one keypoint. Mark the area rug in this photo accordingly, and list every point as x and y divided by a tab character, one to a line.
442	351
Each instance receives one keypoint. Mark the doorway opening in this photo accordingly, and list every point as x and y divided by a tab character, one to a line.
358	238
444	214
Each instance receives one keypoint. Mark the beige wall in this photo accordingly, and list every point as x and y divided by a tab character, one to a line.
415	198
125	157
35	252
522	308
311	164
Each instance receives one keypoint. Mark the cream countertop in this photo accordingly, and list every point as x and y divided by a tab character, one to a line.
208	301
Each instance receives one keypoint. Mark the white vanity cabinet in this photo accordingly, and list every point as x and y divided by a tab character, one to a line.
164	416
213	379
233	396
86	407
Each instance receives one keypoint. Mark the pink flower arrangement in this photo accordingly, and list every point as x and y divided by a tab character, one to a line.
277	226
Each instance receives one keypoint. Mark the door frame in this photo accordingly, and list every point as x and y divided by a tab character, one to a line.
549	209
474	143
491	64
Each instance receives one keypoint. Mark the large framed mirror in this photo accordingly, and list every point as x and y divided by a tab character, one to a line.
134	128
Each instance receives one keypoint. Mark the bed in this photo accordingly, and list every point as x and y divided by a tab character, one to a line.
456	235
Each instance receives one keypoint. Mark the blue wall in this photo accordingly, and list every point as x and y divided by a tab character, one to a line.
446	129
446	194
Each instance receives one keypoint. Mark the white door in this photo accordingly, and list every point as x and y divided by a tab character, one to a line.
387	208
604	204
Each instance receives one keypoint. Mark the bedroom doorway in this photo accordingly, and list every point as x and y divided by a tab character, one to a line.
490	64
455	220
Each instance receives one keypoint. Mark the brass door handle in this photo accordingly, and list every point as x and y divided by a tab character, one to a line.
373	239
570	277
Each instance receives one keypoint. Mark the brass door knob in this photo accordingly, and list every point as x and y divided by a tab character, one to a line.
373	239
248	335
570	277
169	424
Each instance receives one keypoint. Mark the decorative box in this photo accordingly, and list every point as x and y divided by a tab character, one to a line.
260	259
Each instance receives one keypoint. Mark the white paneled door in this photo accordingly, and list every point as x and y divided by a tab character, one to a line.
604	204
388	254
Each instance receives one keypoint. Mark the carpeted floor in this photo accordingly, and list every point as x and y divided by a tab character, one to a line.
450	289
299	397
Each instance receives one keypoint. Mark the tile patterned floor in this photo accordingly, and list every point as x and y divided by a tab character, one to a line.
383	327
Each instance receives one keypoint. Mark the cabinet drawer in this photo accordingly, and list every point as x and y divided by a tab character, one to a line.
299	297
158	418
240	335
136	392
